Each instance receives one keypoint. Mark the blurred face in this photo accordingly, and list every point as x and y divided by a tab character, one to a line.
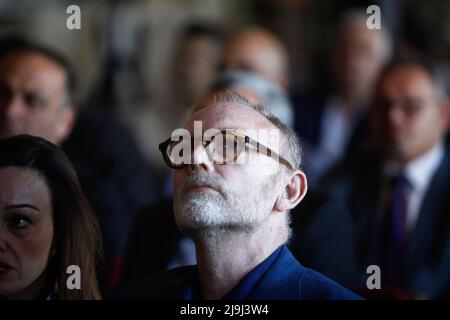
238	197
26	230
408	118
357	58
256	51
32	95
197	66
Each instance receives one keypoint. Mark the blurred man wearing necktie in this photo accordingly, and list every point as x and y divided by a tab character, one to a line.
398	191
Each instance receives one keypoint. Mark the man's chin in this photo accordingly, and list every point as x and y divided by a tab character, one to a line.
397	153
210	231
207	223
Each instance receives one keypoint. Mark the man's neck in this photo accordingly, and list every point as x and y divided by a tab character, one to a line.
224	258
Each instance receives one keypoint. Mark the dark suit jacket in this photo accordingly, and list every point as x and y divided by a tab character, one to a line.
153	242
309	112
286	279
324	238
428	252
114	176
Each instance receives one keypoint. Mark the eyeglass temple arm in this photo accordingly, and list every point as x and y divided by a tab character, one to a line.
269	152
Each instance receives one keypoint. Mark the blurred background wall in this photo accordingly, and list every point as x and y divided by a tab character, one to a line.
125	52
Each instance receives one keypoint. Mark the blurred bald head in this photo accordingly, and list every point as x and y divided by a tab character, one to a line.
36	91
358	55
258	50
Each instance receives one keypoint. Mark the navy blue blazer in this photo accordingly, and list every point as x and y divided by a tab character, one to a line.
323	238
286	279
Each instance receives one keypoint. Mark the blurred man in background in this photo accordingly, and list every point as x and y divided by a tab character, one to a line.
331	121
197	61
257	49
398	192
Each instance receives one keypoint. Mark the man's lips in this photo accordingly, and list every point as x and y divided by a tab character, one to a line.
201	187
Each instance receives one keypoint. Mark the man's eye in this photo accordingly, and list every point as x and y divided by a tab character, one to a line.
19	222
33	101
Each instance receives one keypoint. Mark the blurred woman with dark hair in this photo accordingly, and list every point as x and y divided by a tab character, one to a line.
46	224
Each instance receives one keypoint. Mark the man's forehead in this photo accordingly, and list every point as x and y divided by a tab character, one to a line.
31	69
230	115
409	75
38	61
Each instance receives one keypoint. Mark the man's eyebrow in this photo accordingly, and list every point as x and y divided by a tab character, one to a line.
21	205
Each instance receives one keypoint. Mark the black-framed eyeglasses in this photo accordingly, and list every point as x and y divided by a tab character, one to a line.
225	147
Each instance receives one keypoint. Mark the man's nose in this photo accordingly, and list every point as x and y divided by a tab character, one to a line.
201	158
395	114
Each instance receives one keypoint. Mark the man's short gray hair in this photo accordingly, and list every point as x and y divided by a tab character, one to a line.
291	140
273	97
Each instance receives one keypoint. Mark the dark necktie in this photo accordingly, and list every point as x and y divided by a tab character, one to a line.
395	232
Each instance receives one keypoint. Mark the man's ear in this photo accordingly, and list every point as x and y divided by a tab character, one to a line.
445	114
65	124
293	192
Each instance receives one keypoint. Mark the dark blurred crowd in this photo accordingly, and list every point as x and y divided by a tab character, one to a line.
372	120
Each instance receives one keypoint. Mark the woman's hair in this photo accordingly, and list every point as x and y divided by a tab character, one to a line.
77	237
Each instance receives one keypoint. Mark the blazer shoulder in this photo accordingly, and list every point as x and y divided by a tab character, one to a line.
315	286
287	279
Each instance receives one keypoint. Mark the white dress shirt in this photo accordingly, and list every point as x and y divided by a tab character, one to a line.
419	173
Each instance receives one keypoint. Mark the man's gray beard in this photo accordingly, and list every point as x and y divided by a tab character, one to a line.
210	213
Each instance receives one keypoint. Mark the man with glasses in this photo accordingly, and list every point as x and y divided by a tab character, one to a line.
234	185
398	192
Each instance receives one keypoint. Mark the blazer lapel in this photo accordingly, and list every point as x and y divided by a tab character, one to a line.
280	282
